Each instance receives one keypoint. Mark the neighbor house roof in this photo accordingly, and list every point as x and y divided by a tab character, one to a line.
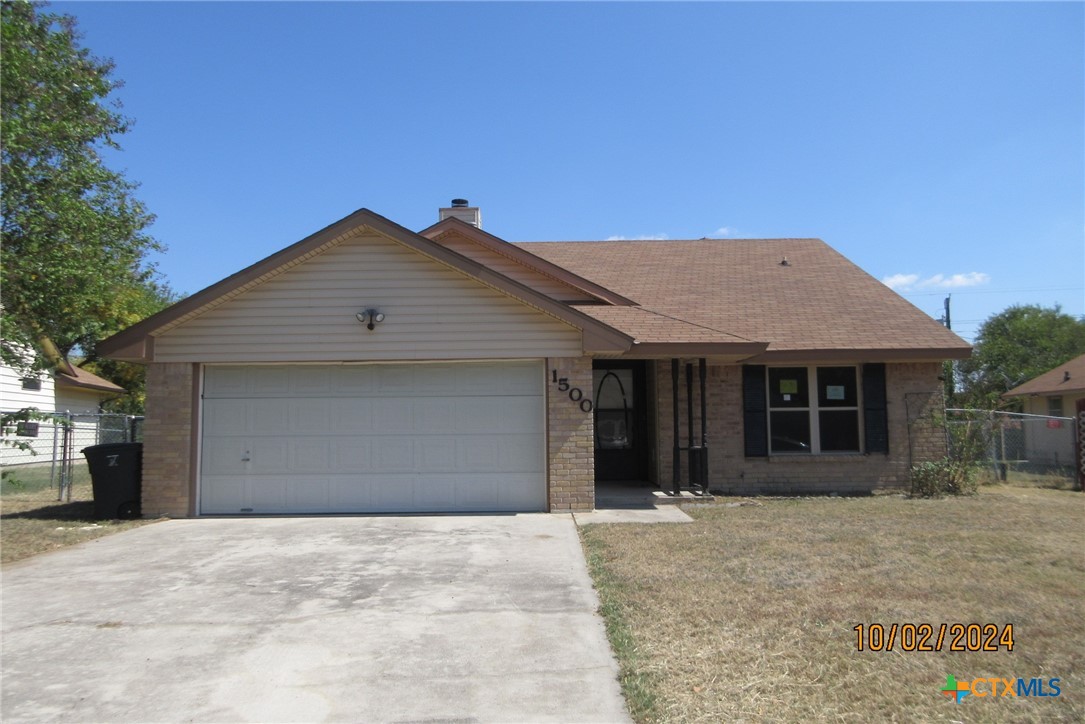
1065	379
81	379
799	295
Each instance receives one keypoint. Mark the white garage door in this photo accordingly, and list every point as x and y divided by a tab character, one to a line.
373	438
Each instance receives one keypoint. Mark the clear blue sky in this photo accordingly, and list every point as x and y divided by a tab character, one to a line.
938	146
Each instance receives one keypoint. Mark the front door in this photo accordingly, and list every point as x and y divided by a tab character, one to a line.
621	421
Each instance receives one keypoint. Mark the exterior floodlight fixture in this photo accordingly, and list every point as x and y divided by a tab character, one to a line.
370	318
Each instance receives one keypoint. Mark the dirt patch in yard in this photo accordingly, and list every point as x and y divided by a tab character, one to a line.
749	612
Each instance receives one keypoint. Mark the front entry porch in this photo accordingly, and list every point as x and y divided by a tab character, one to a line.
627	405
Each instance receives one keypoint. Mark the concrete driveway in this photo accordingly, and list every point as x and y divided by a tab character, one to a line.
393	619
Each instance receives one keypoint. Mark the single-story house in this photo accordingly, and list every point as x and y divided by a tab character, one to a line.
1056	395
1056	392
66	389
371	368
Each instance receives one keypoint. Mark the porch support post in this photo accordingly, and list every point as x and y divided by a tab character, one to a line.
676	480
690	440
702	373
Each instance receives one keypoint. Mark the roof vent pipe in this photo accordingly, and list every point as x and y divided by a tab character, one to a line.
460	210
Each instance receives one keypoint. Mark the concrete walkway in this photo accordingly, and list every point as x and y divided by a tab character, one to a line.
380	619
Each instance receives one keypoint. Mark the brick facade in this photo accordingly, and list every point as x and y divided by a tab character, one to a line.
570	437
168	441
914	395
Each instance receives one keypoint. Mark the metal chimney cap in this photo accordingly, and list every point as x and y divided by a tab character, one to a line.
458	203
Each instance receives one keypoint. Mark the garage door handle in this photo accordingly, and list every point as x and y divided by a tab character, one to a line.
246	457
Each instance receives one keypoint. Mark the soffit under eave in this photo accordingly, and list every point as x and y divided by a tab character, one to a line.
857	356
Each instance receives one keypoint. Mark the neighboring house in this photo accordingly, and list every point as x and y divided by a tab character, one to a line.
369	368
71	390
1055	393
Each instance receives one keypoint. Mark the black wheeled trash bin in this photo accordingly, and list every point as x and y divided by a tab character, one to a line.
116	470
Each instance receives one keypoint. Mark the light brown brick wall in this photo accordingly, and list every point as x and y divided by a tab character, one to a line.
571	437
167	440
914	395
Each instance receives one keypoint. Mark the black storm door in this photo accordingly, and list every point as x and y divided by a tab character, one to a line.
621	421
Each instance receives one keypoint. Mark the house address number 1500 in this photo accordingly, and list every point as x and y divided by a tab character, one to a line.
575	393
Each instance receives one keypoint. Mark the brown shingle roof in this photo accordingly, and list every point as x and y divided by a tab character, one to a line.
86	380
1065	379
817	301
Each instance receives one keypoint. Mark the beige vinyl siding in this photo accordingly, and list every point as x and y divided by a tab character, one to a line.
14	397
307	314
503	265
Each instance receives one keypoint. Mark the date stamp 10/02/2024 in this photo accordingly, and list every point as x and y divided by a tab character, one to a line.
933	637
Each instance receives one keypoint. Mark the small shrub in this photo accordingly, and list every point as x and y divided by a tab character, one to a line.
936	478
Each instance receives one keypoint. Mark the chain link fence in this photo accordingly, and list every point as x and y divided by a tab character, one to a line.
1015	447
41	456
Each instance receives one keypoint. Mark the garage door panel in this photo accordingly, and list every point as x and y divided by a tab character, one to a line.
373	438
524	414
268	417
312	381
309	494
309	455
227	382
393	416
436	454
355	380
392	381
478	493
269	381
267	494
269	456
352	455
520	454
226	417
311	416
225	455
352	416
393	493
350	493
515	492
393	454
435	415
223	493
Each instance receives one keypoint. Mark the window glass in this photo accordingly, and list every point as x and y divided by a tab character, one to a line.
612	429
1054	406
837	387
613	389
839	430
788	387
790	431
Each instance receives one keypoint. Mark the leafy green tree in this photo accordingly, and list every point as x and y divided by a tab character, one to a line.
1014	346
132	377
74	245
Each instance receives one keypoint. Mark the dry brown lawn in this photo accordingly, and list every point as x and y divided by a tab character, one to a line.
32	521
748	612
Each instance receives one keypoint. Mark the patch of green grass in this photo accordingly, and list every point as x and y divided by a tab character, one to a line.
748	613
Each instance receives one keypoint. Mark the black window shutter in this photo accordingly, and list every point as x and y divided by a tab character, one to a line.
755	411
875	416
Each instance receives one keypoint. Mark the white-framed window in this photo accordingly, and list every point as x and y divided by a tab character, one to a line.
1054	406
814	410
